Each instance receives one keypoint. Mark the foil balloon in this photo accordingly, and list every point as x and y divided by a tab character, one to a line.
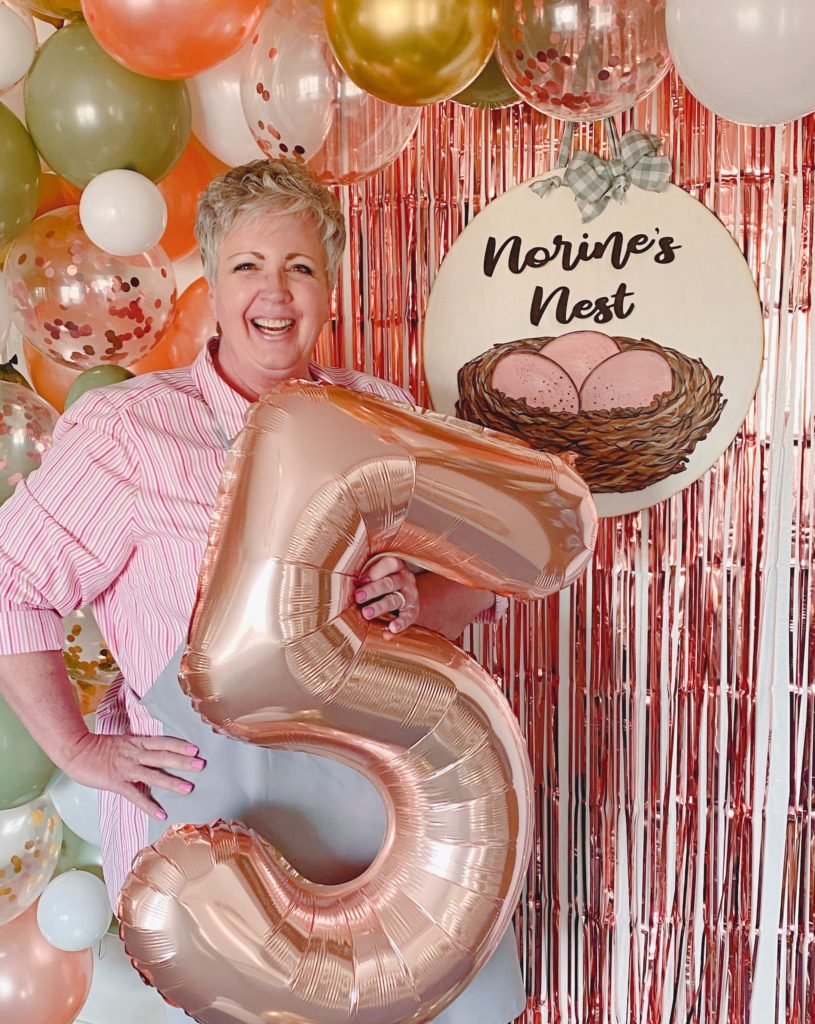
30	844
87	658
581	61
300	103
319	481
26	426
80	305
490	91
412	53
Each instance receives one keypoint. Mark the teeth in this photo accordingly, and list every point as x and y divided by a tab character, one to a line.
272	325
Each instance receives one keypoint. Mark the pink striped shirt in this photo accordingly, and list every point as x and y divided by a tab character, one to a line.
117	517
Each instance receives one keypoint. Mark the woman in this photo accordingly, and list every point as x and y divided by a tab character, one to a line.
117	516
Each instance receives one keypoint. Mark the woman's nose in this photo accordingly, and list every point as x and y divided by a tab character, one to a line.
275	284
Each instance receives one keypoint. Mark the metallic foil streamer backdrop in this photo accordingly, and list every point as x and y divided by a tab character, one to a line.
668	698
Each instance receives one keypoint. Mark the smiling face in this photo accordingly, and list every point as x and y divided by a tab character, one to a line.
271	297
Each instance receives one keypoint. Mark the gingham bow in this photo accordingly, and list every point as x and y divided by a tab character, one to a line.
595	181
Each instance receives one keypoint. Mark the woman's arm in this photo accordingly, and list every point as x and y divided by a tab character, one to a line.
37	688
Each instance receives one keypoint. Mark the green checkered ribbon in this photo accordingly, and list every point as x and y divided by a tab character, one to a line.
595	182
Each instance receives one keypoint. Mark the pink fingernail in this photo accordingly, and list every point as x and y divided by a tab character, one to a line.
360	595
161	815
368	612
191	748
186	787
198	762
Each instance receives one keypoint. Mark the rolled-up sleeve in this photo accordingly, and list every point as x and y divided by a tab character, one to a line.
67	531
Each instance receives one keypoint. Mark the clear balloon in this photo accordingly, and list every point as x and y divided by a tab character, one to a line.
217	115
87	658
192	327
123	212
581	61
30	838
40	984
280	655
172	38
5	312
78	806
26	426
74	910
750	63
50	379
24	768
19	177
18	43
412	53
88	114
300	103
80	305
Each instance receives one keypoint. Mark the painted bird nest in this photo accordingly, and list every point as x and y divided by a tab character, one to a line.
617	448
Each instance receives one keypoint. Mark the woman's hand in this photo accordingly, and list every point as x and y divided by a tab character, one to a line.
130	765
379	589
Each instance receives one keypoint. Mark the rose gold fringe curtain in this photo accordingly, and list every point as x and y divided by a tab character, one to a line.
668	698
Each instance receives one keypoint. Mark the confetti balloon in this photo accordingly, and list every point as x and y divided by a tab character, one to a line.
412	53
86	654
80	305
40	984
300	103
5	311
30	843
583	61
26	426
192	327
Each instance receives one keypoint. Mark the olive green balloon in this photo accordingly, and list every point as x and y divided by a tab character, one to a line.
24	768
96	377
490	91
88	114
19	177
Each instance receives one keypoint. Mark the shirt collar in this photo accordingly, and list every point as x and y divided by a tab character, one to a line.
228	406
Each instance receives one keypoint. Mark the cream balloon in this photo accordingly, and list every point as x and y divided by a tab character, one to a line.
217	113
18	44
78	806
747	60
74	910
123	212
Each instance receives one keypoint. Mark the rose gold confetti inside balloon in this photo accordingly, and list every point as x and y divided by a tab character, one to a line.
279	655
299	103
26	425
80	305
583	59
30	845
87	658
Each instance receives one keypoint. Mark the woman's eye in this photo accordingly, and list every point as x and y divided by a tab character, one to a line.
243	266
302	268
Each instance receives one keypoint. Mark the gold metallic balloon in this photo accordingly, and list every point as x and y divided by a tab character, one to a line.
410	52
319	482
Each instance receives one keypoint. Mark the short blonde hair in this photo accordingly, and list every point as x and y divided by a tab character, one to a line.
267	186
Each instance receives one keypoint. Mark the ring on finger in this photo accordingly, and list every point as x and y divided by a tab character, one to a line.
402	600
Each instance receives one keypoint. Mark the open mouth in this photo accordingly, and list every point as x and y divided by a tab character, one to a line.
271	328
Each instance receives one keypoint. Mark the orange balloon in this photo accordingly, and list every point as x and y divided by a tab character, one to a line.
70	193
192	326
50	379
52	196
214	165
171	38
181	188
279	655
40	984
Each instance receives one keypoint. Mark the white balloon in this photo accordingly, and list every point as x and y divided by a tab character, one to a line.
18	44
123	212
74	910
217	113
78	806
750	61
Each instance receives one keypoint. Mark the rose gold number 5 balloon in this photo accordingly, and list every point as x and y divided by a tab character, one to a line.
319	481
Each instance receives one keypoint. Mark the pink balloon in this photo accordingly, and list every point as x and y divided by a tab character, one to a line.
299	102
580	62
40	984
